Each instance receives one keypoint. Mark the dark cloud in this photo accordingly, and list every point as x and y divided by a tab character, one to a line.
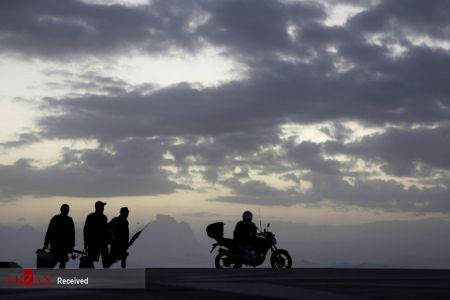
178	110
130	168
91	83
388	195
211	174
291	177
337	131
308	156
408	90
280	200
238	148
258	192
251	188
22	140
256	27
402	152
418	17
54	30
377	88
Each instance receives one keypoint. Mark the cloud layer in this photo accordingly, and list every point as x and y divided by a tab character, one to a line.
385	68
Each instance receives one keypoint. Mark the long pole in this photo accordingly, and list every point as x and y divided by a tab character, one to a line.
260	226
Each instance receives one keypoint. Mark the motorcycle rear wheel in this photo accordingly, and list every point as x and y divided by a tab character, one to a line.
223	261
280	259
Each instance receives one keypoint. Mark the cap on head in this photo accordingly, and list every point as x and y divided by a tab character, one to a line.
99	204
247	215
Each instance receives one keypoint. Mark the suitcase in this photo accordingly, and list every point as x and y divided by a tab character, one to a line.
45	259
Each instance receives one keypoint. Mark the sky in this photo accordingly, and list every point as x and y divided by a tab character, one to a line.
317	112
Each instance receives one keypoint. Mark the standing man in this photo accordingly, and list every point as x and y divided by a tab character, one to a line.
121	233
61	236
95	234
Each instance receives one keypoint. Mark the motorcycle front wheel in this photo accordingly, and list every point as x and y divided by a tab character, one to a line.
280	259
223	261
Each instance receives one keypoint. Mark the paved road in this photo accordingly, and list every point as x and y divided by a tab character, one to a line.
251	284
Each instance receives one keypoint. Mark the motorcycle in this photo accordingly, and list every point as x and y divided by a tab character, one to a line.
231	255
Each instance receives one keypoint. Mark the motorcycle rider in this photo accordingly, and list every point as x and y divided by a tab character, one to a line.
247	247
245	230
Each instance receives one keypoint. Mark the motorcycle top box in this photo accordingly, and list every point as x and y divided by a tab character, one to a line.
215	230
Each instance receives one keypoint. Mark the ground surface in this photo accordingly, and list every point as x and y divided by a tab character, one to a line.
268	284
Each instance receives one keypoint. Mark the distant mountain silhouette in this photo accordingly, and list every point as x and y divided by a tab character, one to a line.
376	266
20	244
413	244
303	263
169	243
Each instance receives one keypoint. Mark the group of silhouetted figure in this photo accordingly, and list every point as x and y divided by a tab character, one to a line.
112	240
108	240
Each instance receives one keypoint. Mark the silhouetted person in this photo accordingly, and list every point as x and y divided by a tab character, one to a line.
121	234
61	236
245	230
95	234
